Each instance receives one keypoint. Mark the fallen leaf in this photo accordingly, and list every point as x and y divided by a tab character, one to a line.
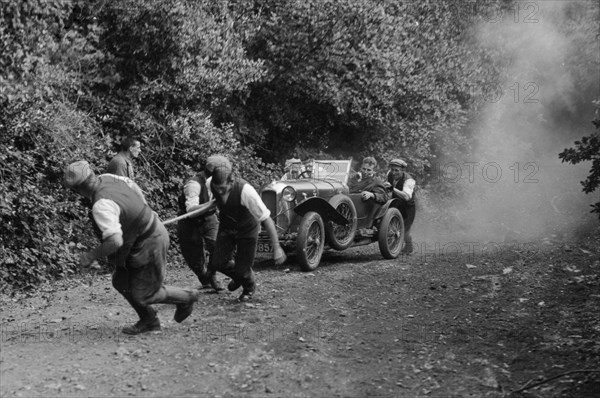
572	268
507	270
471	266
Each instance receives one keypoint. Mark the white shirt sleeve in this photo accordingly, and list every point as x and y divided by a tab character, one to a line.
208	181
106	214
191	190
409	187
252	201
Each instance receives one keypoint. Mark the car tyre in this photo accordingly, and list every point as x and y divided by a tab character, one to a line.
341	237
310	241
391	233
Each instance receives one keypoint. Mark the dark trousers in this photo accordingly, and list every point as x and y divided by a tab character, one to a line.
234	255
140	272
408	215
195	239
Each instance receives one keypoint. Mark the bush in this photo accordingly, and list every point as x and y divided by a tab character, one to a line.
587	149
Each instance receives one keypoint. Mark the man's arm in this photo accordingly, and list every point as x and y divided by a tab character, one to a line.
257	208
407	190
106	215
379	192
278	253
191	191
108	246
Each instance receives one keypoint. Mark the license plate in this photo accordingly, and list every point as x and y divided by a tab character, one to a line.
264	248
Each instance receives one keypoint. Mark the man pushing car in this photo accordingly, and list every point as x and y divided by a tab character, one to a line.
241	211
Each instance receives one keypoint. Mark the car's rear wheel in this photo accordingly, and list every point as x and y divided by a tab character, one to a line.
391	233
340	237
310	241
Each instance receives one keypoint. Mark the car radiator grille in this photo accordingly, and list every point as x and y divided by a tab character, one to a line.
270	200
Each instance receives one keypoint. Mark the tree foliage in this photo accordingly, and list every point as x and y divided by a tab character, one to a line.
257	80
587	149
385	77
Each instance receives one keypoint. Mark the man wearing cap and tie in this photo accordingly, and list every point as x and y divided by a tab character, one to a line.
199	233
241	211
402	186
135	241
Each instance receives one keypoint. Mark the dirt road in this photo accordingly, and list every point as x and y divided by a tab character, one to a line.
444	322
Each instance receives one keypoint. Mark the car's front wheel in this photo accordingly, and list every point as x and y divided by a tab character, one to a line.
341	237
310	241
391	233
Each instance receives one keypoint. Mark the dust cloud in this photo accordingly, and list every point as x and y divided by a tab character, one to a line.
516	188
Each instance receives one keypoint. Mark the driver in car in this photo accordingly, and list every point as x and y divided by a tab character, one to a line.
367	183
293	169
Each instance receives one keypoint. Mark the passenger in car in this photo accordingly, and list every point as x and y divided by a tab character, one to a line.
367	183
241	211
402	185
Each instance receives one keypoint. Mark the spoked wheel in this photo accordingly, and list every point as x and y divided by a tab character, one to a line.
310	241
391	233
340	237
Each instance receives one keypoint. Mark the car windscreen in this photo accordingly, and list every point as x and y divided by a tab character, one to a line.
334	169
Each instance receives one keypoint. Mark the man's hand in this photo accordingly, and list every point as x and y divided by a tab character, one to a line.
86	259
366	195
387	185
279	255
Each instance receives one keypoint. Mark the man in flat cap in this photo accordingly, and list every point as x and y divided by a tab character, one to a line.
198	234
241	211
135	241
402	186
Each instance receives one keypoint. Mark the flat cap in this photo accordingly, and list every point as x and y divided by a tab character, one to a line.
398	163
76	173
214	161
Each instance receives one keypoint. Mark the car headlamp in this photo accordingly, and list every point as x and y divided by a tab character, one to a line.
288	194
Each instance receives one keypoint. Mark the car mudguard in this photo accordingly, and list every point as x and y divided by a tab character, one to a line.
321	206
395	202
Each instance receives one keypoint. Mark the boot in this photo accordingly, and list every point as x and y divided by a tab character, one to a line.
209	280
246	296
184	299
248	292
408	246
233	285
142	327
215	284
148	320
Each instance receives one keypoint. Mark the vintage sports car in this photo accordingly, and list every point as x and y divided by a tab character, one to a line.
316	211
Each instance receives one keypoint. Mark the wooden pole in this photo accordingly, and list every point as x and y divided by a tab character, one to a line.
204	207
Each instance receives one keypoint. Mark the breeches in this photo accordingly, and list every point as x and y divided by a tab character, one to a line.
194	239
142	276
244	247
